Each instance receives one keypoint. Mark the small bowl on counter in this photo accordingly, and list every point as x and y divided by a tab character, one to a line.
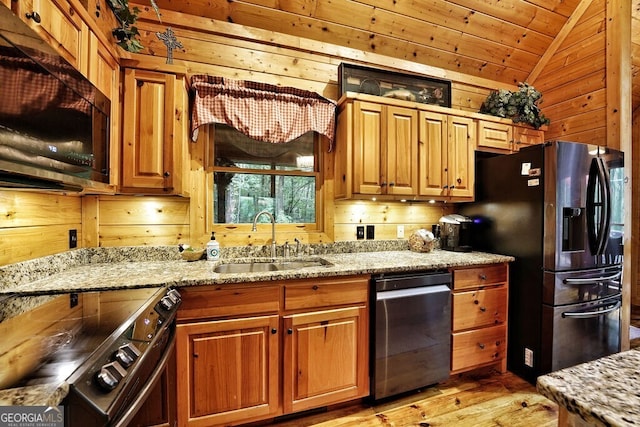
192	254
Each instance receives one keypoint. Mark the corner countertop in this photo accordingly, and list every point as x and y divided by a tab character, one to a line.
603	392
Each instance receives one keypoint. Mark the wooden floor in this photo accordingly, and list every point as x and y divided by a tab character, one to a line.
482	398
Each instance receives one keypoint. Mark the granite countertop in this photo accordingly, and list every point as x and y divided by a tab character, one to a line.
135	272
603	392
24	286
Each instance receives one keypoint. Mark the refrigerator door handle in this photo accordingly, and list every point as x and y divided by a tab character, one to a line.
599	210
569	281
589	314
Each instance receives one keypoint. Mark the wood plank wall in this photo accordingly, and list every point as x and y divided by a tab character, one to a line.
37	224
573	82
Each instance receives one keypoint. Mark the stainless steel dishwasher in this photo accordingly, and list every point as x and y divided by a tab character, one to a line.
411	341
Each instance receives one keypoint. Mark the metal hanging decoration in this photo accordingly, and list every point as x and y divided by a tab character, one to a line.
168	37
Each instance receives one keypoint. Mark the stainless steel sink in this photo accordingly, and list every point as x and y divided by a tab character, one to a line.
258	266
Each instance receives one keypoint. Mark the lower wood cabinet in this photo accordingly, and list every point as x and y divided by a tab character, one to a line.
257	351
479	323
321	358
228	370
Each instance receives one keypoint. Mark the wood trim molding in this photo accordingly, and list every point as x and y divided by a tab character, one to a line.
560	38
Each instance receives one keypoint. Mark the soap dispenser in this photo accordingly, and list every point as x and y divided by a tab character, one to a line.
213	248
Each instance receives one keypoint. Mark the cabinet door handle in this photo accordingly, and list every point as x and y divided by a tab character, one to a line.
290	331
383	184
483	309
167	174
274	331
35	16
391	184
481	346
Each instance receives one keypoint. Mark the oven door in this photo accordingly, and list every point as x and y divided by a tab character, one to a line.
579	333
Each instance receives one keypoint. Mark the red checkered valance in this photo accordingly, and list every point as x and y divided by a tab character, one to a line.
261	111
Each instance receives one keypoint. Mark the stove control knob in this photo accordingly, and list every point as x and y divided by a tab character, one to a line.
167	303
110	375
174	295
126	355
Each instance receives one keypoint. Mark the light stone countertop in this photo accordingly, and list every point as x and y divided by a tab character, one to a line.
180	273
24	286
603	392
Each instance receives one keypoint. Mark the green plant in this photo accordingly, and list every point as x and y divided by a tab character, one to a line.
127	33
520	106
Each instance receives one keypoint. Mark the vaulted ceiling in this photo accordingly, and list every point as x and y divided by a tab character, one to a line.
501	40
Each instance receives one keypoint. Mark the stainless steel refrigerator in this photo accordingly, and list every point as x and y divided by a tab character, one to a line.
558	209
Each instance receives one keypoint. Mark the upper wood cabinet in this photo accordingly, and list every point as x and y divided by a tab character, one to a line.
506	138
495	135
57	22
104	73
446	156
525	136
384	149
154	132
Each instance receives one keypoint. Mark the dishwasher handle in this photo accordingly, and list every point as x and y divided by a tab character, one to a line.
405	293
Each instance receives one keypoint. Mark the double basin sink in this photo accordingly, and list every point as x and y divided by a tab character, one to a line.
261	266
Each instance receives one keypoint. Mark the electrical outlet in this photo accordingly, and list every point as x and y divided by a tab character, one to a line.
360	232
400	232
528	357
371	230
73	239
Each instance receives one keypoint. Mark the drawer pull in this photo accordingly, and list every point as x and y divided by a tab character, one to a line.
315	287
35	16
483	309
481	346
483	277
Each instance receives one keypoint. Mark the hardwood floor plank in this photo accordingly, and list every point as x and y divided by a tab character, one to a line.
483	398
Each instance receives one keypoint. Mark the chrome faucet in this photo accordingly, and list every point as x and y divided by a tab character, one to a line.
273	229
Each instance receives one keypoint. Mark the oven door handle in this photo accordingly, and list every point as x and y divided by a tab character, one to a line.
140	400
589	314
593	279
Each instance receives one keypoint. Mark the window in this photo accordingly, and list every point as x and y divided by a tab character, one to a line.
251	176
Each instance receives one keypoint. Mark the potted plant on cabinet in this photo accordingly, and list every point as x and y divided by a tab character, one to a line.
521	106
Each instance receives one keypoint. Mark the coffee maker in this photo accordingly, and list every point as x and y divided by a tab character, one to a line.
455	233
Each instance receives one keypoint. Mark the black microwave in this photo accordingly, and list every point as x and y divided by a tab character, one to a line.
54	123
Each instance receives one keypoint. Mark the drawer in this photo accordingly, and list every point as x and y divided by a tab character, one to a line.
478	347
487	275
322	293
227	300
479	308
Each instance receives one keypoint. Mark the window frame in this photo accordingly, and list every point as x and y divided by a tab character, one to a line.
211	169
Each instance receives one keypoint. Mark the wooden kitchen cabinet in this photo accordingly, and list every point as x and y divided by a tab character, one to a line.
526	136
506	138
446	156
154	132
228	370
495	135
325	349
379	152
104	72
479	317
230	366
57	22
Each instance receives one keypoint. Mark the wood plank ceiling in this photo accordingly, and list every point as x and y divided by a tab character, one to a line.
500	40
